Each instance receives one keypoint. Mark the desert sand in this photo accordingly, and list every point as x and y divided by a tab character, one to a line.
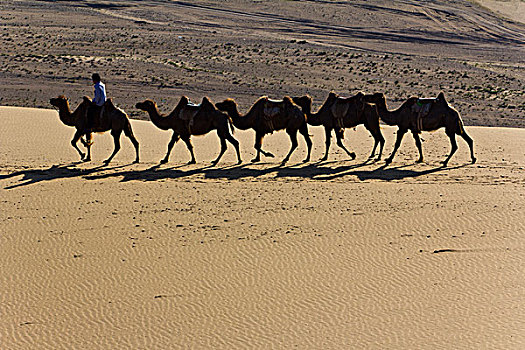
332	255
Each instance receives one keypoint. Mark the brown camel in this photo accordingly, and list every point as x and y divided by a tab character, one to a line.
266	116
338	113
411	115
185	121
111	118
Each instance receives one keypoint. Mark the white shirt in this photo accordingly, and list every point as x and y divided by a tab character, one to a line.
100	94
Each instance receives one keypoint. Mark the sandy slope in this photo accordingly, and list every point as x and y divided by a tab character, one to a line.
328	255
513	9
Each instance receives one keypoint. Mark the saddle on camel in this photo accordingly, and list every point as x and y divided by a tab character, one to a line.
422	107
187	113
273	108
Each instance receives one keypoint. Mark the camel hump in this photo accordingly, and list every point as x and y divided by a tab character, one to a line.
206	101
86	99
288	100
441	97
360	98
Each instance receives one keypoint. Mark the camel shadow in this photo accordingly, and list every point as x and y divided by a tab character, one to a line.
386	173
154	173
55	172
323	171
230	172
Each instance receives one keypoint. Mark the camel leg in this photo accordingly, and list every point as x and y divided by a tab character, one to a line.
258	147
327	141
88	144
304	131
129	133
235	144
116	141
400	134
174	138
339	135
223	149
88	141
74	141
187	141
293	138
378	140
418	145
454	148
468	139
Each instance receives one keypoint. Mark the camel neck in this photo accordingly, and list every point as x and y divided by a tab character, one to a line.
240	122
159	120
67	117
314	118
320	116
389	117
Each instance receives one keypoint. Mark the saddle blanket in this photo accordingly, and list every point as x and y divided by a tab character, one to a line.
422	108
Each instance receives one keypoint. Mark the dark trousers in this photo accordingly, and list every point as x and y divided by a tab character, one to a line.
93	116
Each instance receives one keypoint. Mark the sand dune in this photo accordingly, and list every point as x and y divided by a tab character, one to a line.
339	254
513	9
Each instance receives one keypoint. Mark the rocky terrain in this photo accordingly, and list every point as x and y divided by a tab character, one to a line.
245	49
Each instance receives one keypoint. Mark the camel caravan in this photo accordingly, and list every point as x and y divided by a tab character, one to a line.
265	116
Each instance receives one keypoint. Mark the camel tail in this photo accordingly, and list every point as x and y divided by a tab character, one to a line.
128	131
230	121
461	129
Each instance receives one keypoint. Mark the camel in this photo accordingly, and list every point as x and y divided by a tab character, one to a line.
338	113
406	117
111	118
266	116
185	121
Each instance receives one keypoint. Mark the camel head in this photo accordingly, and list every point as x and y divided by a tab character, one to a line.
226	105
147	105
60	102
377	98
305	102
